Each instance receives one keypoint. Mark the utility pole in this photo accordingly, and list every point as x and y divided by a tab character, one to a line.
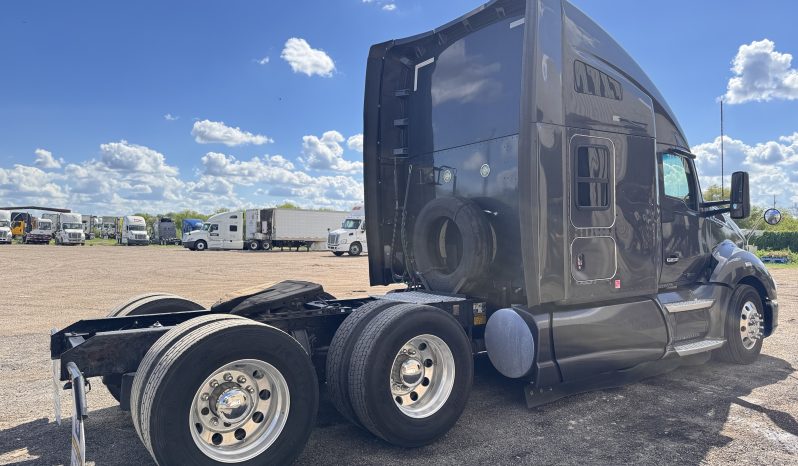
721	149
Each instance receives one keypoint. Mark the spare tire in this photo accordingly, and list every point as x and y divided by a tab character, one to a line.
452	244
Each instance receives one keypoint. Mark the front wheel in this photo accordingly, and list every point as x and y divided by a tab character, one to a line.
410	374
355	249
229	392
745	327
201	245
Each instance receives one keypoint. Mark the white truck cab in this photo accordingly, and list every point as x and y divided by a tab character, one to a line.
41	233
134	231
351	237
221	231
5	227
70	230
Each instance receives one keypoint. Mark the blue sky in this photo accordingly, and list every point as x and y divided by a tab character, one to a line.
108	107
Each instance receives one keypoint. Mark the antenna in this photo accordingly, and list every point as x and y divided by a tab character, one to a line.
721	149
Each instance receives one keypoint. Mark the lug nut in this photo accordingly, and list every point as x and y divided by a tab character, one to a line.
250	389
214	383
228	378
214	421
205	397
241	379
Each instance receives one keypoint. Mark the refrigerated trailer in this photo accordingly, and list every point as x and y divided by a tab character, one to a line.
532	188
279	228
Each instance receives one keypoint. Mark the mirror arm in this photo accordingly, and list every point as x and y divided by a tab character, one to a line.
715	203
753	229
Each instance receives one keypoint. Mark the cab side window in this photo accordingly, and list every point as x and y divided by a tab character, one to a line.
214	227
678	179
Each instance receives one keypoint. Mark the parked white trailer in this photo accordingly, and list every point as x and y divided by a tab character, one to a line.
269	228
5	227
221	231
351	237
69	230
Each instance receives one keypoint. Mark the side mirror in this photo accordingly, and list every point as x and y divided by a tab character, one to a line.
772	216
740	200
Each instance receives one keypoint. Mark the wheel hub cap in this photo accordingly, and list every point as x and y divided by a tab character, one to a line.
422	376
751	325
239	411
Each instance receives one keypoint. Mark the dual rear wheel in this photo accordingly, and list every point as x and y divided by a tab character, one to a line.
405	385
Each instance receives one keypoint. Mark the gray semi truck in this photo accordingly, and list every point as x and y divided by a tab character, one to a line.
530	185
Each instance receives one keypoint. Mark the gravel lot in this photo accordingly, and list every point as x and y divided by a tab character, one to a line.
714	413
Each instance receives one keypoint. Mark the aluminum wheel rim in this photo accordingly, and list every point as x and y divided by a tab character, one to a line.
751	325
422	376
239	411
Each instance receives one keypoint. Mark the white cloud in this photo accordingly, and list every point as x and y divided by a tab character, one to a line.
772	167
216	132
305	59
761	74
389	7
262	61
355	143
326	153
128	157
170	117
23	184
45	159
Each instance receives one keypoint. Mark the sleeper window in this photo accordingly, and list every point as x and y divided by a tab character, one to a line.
233	227
592	172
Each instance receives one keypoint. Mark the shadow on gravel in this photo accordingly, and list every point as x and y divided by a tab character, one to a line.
674	418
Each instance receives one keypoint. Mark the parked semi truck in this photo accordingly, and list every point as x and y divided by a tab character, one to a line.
351	237
531	186
69	230
21	223
132	231
164	232
264	229
189	225
5	227
41	233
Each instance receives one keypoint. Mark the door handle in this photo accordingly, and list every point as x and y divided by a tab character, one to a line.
672	259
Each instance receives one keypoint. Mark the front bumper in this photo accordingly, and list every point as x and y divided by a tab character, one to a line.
189	244
37	238
338	247
5	240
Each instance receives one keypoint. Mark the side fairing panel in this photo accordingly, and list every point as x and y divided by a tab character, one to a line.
605	338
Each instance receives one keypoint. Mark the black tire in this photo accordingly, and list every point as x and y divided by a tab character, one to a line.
200	245
370	372
148	303
355	249
734	351
452	244
253	245
266	245
340	353
167	395
156	351
338	253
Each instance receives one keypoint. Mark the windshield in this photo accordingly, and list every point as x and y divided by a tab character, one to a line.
44	226
72	226
351	224
194	226
3	224
206	226
135	228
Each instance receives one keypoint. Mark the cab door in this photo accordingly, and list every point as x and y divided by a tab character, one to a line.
234	232
214	236
684	253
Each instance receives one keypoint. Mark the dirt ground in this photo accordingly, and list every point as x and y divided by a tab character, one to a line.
714	413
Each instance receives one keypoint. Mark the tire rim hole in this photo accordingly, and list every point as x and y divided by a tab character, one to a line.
414	396
198	426
422	347
742	329
257	417
425	382
226	424
265	394
205	411
257	374
240	434
398	399
428	363
216	439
